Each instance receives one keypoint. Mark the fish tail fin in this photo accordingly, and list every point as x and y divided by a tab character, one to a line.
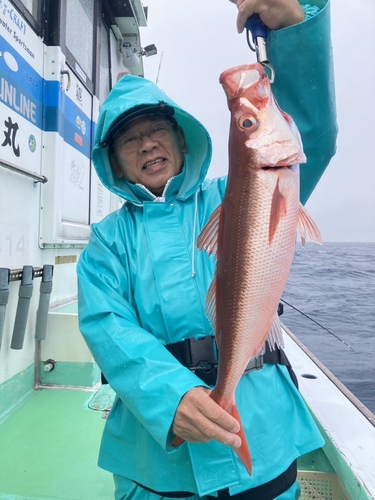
243	451
307	227
177	441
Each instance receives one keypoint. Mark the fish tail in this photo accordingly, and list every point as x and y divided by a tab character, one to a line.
243	451
177	441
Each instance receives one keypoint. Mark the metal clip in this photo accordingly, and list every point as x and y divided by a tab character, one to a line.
259	32
255	364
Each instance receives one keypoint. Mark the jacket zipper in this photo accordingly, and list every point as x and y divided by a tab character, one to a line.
161	198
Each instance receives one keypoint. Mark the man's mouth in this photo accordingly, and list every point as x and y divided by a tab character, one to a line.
152	163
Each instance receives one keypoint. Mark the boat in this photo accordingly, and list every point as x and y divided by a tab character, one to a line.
53	405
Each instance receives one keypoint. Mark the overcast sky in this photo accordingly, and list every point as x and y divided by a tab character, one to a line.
197	40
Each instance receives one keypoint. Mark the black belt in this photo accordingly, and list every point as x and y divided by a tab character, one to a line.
200	356
266	491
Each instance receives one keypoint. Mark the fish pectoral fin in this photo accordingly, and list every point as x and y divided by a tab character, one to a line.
278	211
307	227
208	239
275	335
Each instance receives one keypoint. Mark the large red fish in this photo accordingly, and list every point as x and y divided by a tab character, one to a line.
253	232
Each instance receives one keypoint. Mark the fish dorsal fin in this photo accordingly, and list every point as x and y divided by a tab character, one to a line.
211	305
275	335
278	211
307	227
208	239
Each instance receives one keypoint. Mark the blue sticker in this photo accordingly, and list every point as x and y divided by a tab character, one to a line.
32	143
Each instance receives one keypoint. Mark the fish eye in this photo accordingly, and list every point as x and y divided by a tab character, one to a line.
248	123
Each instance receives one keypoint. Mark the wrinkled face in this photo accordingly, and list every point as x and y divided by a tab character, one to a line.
148	151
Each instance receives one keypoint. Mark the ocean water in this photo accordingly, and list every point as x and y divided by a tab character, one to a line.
334	285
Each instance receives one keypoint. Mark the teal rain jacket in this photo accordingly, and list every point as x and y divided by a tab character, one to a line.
143	284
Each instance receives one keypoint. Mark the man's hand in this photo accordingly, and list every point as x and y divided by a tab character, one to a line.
199	419
275	14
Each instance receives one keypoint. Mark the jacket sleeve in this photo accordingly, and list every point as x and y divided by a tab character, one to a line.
142	372
301	56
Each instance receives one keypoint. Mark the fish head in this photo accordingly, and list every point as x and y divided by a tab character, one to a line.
260	130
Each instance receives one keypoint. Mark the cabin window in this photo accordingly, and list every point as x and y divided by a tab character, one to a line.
31	10
33	7
80	33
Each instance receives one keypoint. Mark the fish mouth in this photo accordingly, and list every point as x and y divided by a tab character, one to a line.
152	163
290	167
274	168
288	162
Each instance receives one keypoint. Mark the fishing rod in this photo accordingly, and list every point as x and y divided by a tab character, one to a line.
159	68
319	324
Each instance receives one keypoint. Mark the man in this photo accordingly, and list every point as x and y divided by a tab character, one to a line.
143	283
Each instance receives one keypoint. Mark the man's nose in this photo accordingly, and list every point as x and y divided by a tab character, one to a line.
146	142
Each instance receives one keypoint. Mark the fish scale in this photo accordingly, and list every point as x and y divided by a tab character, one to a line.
248	265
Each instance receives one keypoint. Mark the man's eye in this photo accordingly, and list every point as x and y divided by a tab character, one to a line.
158	129
129	139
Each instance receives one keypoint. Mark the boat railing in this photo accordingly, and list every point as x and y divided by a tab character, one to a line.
14	168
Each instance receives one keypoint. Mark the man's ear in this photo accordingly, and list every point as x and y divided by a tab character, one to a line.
181	140
115	166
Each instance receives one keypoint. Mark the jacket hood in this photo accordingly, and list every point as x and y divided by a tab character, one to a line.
129	93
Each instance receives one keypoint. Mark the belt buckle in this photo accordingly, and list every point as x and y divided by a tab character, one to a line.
203	351
259	362
208	375
255	364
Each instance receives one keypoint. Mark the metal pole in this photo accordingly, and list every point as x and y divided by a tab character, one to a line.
4	295
44	298
24	296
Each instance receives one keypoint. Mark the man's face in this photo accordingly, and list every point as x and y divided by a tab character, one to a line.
148	151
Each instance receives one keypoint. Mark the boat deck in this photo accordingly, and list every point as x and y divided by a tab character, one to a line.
49	445
49	449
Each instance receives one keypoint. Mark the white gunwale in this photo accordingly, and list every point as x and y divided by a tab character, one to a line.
345	422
